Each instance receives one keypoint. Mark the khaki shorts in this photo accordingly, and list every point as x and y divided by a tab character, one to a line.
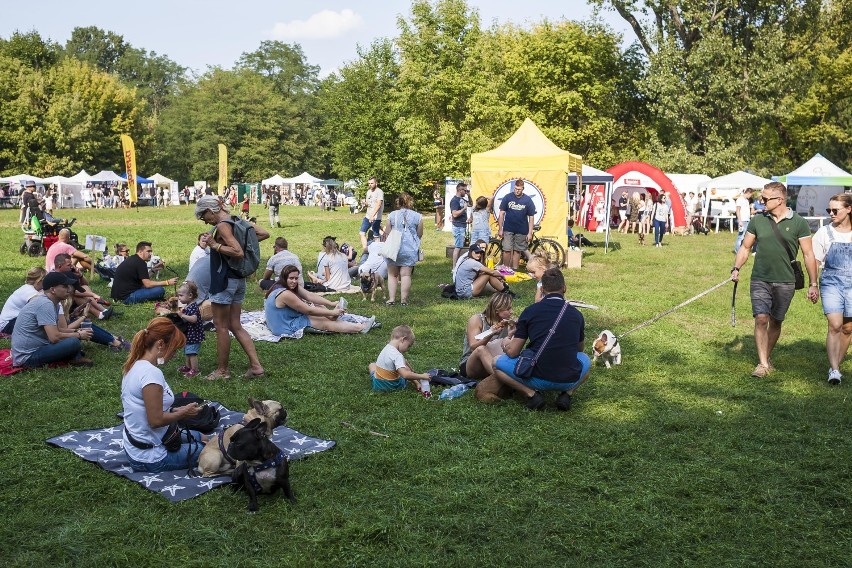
515	242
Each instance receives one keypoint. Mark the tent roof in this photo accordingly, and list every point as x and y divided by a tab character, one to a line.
274	180
737	180
819	171
591	175
81	176
21	178
530	145
139	179
55	179
304	177
160	179
331	182
106	175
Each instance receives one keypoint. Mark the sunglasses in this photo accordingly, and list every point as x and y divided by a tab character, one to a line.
766	200
833	211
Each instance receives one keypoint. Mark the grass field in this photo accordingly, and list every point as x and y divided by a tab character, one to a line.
677	457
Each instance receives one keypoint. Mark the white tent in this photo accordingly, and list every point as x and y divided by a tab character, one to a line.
274	180
304	177
106	175
593	176
819	180
160	179
724	188
21	178
82	176
170	185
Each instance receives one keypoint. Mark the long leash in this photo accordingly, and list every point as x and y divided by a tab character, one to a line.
677	307
734	305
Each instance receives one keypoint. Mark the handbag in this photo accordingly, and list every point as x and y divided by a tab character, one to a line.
390	248
528	358
798	274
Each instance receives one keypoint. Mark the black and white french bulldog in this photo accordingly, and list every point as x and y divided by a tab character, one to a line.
261	466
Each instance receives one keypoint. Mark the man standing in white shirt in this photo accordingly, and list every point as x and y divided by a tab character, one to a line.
743	213
375	207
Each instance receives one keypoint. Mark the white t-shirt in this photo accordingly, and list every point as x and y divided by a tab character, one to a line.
744	213
390	358
374	196
16	302
197	253
821	243
375	261
338	270
141	374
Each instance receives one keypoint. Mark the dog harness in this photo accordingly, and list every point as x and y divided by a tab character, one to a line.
224	450
253	470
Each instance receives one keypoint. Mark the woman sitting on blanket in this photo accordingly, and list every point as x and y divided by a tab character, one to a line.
478	355
332	267
290	308
147	401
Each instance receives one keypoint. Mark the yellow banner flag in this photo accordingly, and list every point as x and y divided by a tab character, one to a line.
130	165
223	169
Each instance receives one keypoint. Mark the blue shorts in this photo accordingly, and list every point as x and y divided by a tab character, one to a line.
507	365
235	293
836	299
381	385
191	348
458	235
366	224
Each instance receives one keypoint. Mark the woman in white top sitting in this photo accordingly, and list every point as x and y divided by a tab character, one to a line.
332	267
19	298
147	401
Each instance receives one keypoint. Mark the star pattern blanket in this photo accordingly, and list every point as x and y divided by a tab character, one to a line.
105	448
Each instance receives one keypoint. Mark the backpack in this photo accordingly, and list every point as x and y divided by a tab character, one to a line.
247	237
205	421
275	199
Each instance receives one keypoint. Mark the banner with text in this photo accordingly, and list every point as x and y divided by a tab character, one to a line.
129	165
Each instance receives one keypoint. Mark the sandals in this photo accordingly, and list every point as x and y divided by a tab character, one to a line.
390	303
252	375
217	375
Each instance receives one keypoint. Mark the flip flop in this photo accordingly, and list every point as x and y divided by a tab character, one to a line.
217	375
252	375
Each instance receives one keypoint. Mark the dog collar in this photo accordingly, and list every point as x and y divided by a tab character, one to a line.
224	450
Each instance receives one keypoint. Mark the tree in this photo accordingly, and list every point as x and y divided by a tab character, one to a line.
283	64
98	48
31	49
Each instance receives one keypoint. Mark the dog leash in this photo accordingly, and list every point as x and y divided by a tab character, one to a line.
677	307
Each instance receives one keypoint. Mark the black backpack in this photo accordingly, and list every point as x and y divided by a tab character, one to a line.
247	237
205	421
275	199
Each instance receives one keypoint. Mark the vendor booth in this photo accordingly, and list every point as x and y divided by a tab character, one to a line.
817	180
720	191
639	177
544	167
170	185
595	192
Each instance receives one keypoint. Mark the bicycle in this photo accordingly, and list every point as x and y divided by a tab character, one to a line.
555	252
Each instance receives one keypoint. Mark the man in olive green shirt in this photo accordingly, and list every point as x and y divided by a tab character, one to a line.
772	279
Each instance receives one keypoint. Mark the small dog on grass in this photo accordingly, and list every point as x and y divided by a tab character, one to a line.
213	459
370	283
641	238
606	347
263	466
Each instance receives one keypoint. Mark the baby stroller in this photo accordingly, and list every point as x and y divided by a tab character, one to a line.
699	227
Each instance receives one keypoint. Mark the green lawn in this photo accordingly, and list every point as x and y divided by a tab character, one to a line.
677	457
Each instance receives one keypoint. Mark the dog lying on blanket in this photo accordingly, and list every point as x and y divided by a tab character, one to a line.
606	347
370	283
214	461
262	468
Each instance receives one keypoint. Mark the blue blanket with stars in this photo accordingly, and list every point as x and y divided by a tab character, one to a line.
104	447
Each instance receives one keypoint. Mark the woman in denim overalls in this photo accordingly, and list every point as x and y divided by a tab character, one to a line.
833	248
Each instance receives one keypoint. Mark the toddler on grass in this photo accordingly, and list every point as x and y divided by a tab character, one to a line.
391	371
188	294
536	267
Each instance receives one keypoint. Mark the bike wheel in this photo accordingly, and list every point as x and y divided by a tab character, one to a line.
554	251
494	251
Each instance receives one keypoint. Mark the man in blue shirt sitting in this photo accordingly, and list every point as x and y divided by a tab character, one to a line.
562	366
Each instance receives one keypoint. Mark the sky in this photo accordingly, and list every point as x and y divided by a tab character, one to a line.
202	33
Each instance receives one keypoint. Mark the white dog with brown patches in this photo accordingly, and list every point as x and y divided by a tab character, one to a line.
606	347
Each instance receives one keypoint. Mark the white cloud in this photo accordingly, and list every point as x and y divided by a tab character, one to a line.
322	25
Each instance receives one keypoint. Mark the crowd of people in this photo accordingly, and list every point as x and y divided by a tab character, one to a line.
54	312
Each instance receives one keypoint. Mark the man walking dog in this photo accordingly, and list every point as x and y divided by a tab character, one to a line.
780	232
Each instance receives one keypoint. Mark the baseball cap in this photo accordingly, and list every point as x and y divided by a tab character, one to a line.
58	279
476	248
29	183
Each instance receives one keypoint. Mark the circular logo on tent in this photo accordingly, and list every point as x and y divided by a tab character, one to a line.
530	189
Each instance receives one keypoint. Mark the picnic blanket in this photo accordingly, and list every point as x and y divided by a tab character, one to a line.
105	447
255	324
352	289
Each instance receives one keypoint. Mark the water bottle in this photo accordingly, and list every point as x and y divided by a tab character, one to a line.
454	391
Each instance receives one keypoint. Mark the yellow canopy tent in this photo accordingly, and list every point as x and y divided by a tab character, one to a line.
528	155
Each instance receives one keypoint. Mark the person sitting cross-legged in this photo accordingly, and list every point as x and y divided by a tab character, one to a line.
133	283
561	366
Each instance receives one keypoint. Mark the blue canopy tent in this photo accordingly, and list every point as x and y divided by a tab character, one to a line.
139	179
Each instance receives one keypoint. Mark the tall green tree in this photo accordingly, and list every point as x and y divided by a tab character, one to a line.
31	49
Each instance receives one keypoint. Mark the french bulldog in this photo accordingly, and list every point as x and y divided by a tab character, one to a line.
213	459
370	283
606	347
262	467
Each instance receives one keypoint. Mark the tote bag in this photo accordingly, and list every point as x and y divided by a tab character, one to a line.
390	248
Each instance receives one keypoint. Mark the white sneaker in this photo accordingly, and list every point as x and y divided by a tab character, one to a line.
834	377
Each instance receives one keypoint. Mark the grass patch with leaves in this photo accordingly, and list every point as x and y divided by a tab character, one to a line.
677	457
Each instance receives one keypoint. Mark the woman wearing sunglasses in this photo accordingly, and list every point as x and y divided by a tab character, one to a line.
833	250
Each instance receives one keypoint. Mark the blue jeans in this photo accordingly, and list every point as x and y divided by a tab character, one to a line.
659	231
63	350
184	458
740	236
146	295
101	336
